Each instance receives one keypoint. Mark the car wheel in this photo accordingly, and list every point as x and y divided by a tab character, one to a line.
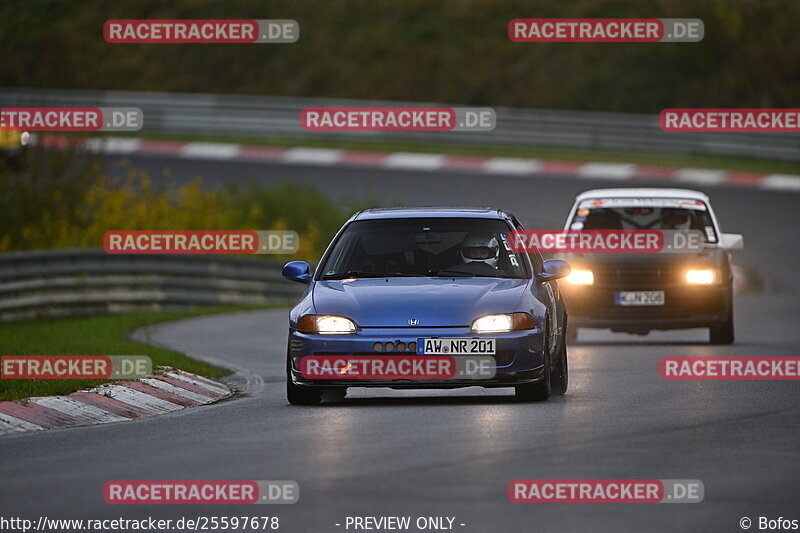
539	391
298	395
561	376
302	395
722	333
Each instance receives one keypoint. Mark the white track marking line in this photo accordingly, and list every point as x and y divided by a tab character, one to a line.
84	411
411	160
424	161
313	156
113	145
612	171
201	150
780	182
702	176
177	391
511	165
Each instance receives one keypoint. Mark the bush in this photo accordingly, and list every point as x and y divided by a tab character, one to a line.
60	199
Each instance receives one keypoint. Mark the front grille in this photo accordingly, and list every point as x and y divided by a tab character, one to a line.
637	275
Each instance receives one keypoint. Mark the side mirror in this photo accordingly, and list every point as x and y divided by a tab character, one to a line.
554	269
297	271
732	241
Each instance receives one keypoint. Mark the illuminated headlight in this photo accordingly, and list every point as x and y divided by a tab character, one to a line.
581	277
500	323
700	277
326	324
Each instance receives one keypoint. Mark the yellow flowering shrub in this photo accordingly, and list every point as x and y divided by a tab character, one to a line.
61	199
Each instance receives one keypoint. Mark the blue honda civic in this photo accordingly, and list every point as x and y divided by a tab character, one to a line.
419	282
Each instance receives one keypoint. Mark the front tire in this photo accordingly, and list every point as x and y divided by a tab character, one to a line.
561	376
539	391
722	333
297	395
302	395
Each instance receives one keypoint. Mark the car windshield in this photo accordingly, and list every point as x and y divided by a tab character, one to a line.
416	247
637	214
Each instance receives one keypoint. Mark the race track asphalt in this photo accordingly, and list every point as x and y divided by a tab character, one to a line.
453	453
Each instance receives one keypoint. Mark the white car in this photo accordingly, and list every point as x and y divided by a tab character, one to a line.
640	292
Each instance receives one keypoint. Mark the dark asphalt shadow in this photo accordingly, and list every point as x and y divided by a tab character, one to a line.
416	401
658	343
641	343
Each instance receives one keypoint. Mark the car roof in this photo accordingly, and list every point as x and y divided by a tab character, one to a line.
643	192
431	212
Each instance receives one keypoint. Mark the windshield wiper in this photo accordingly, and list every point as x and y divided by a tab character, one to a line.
352	274
357	274
451	273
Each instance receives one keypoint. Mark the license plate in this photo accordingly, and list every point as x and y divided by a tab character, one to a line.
639	297
451	346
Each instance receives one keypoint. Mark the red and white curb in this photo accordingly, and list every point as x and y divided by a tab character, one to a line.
503	166
162	393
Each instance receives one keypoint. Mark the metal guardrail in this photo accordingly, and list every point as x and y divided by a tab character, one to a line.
267	117
76	281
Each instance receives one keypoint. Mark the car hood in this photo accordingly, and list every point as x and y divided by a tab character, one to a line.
434	302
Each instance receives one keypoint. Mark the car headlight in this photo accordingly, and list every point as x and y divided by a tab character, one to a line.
580	277
500	323
326	324
700	277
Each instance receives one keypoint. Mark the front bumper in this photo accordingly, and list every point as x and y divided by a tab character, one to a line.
684	307
519	355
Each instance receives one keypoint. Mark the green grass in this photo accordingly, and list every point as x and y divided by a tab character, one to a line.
736	164
97	335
